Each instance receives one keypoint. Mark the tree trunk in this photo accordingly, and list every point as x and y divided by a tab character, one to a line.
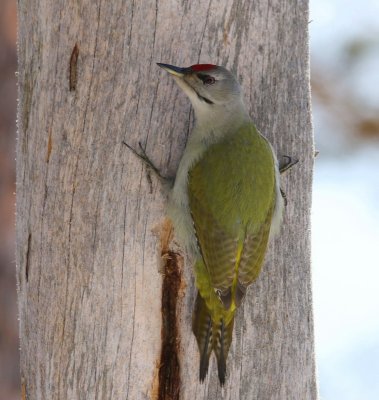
98	319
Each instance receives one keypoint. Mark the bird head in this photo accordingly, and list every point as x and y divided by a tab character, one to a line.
208	86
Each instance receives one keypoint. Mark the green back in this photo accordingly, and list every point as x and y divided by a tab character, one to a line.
231	194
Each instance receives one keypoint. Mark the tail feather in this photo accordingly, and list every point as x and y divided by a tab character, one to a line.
204	360
219	349
211	336
202	328
221	344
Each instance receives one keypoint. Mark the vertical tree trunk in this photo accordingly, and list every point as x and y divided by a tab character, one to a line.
95	322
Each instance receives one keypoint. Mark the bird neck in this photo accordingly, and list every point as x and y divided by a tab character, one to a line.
217	120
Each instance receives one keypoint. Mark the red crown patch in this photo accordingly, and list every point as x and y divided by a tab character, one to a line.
202	67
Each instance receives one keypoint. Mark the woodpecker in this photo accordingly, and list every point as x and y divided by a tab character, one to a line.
225	203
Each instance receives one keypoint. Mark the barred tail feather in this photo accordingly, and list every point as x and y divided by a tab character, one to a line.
222	339
202	328
211	336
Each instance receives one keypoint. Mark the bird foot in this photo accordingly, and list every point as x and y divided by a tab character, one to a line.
146	160
287	163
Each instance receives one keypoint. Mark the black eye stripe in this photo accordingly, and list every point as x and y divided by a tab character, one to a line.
204	99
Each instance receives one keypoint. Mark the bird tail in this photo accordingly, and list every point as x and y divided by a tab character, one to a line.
202	328
211	336
222	338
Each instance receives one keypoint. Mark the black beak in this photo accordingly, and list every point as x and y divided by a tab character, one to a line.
177	71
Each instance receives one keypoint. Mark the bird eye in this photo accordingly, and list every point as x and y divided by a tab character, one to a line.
209	80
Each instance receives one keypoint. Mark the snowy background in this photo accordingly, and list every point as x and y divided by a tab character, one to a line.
345	218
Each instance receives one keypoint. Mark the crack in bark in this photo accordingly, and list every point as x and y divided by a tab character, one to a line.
73	79
27	263
169	370
131	343
49	146
203	32
27	86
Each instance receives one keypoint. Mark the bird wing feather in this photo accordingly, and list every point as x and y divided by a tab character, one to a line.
231	195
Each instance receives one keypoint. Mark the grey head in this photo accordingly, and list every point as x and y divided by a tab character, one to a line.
206	85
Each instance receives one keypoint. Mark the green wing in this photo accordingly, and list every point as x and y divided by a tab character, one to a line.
231	195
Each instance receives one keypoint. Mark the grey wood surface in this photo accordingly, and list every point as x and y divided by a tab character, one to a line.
90	214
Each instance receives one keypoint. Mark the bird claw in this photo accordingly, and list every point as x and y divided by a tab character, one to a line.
285	165
282	192
143	157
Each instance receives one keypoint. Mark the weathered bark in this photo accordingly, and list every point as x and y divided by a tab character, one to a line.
88	211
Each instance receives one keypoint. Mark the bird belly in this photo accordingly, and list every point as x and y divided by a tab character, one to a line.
178	205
